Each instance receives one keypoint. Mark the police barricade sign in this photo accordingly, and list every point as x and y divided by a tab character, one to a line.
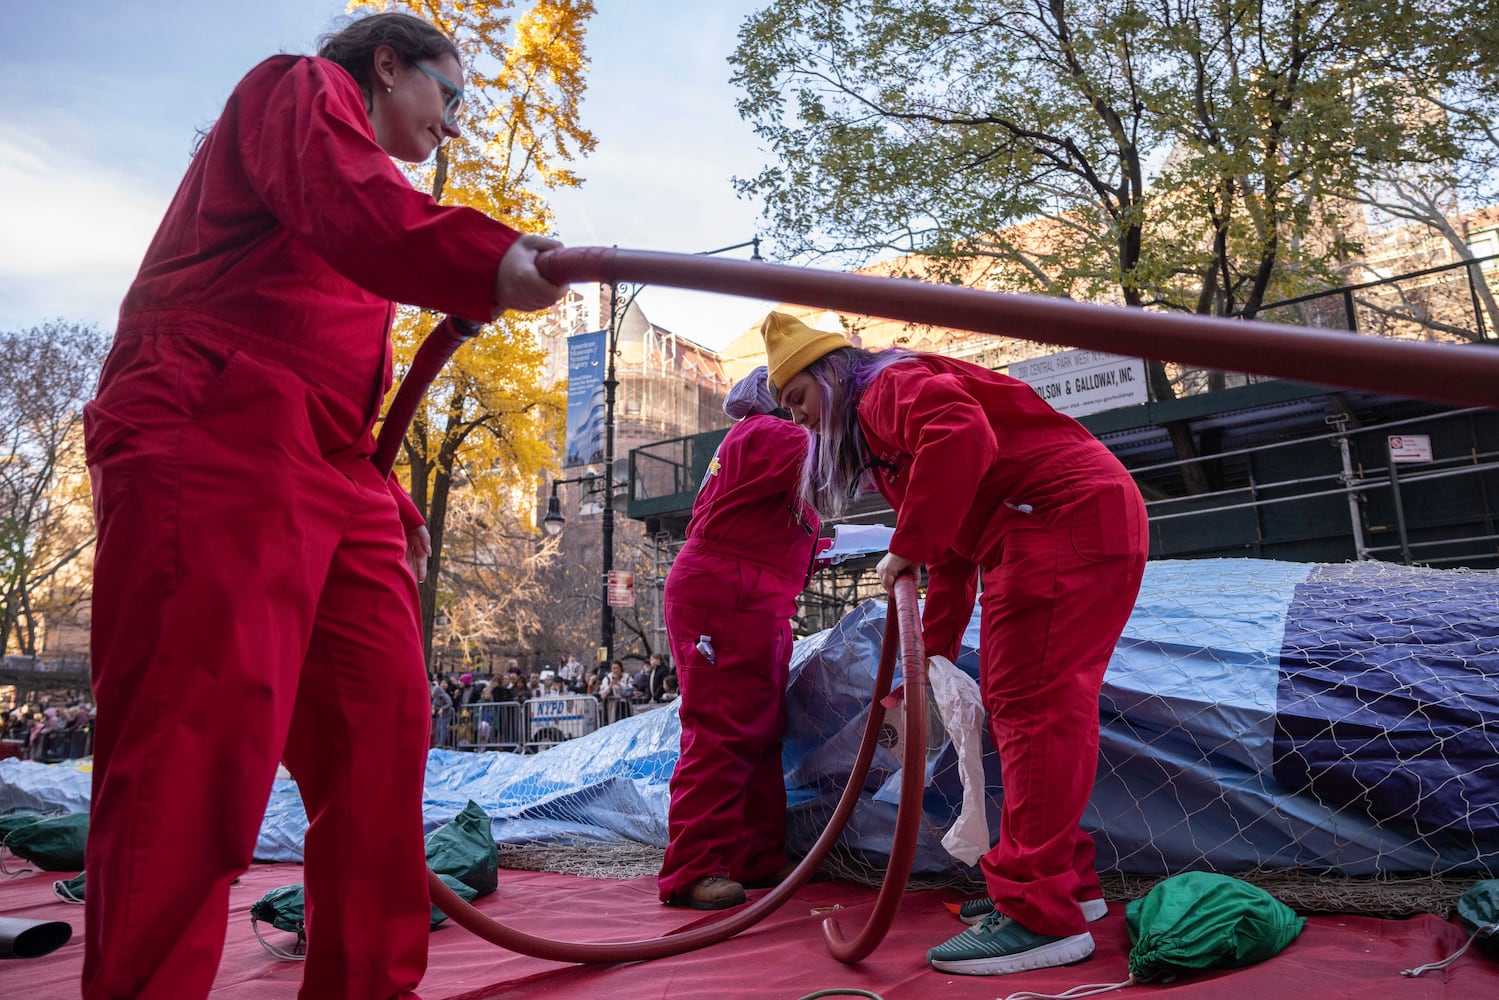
550	720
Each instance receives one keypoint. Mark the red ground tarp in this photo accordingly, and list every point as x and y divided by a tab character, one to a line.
782	958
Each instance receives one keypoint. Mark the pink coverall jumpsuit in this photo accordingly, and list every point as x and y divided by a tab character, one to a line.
251	597
986	477
749	547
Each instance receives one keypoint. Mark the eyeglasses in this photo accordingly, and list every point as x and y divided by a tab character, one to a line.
451	92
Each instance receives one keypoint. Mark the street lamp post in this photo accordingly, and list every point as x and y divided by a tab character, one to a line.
552	523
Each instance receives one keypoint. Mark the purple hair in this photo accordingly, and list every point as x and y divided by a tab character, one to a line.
834	470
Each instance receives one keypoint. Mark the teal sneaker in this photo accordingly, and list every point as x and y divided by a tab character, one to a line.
999	946
974	910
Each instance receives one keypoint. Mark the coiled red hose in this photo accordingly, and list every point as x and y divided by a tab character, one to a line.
901	613
1442	373
904	608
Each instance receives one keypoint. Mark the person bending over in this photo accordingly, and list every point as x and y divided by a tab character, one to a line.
986	479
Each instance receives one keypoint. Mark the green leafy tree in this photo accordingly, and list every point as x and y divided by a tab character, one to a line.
46	525
1452	114
489	423
1184	154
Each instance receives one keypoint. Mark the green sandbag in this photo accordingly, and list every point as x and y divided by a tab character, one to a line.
466	893
53	845
465	850
1202	920
70	890
13	821
284	908
1478	910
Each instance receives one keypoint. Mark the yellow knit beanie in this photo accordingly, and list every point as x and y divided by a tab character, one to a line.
791	345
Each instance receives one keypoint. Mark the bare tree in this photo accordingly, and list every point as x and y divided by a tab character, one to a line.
45	523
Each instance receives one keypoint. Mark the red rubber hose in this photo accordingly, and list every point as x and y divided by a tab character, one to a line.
675	943
1444	373
449	335
902	606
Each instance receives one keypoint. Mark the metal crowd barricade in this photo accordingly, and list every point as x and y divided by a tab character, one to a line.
66	744
616	709
444	729
550	721
485	725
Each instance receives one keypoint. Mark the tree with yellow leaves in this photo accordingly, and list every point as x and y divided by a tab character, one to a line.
488	426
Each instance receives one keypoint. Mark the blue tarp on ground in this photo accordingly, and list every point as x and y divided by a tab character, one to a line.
1256	715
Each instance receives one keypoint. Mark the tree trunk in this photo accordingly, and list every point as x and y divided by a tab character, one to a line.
1180	431
437	519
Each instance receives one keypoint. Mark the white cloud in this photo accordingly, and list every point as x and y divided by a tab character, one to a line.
74	233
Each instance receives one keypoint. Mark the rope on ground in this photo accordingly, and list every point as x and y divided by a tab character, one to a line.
1388	896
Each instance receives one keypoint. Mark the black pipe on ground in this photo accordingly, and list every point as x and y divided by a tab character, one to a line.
32	938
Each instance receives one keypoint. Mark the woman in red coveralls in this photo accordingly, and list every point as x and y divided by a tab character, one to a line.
729	602
252	567
988	480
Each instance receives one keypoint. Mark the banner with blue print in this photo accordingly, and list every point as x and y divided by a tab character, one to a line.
585	399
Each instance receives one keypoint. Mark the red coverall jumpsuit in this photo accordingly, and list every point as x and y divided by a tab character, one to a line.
251	596
986	476
749	546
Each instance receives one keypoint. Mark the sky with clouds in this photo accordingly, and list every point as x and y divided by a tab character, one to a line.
102	100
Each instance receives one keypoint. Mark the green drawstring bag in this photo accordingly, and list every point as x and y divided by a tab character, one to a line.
1196	920
1478	909
465	850
53	845
467	893
1202	920
1478	912
70	890
13	821
284	909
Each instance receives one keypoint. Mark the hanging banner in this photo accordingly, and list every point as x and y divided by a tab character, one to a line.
1078	383
621	588
585	399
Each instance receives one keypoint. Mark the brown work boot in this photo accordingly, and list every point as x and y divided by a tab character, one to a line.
716	892
772	880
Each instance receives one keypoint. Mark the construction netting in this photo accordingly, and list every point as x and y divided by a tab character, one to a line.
1259	718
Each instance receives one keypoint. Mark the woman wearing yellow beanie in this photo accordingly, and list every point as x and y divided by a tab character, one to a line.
986	478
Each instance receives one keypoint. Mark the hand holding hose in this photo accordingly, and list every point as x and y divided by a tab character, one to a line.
518	285
892	567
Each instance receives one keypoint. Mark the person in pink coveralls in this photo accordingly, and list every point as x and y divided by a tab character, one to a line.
730	598
988	481
255	577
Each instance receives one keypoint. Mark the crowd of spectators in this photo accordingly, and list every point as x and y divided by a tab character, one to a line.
652	683
56	727
59	726
617	690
